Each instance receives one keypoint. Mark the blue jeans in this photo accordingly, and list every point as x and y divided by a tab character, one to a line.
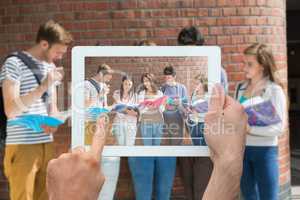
196	130
110	168
260	179
125	133
151	133
152	174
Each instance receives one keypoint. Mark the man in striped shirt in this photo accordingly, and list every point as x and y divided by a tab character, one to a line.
27	153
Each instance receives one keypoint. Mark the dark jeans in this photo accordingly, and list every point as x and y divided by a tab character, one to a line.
260	179
196	132
195	171
173	127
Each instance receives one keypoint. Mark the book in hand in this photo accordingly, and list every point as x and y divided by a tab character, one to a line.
96	112
154	103
200	106
121	108
261	112
35	122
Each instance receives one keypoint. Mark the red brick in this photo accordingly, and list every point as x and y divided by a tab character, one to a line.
177	22
165	4
237	58
28	9
262	21
99	24
125	23
261	2
80	26
284	169
250	21
136	33
255	11
223	21
149	4
256	30
243	30
236	76
249	2
229	49
202	12
237	39
143	14
99	6
229	12
266	11
230	2
250	39
48	8
171	13
221	40
167	32
2	11
237	21
123	14
215	12
142	24
66	7
190	12
210	40
216	30
243	11
64	16
205	3
205	21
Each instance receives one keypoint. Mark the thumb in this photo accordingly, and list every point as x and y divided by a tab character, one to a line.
217	100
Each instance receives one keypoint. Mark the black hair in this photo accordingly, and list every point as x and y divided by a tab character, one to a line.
131	91
169	70
190	36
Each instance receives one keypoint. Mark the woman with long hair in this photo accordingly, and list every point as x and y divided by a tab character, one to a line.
151	175
260	179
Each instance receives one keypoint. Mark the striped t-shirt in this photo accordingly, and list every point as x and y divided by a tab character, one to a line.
15	70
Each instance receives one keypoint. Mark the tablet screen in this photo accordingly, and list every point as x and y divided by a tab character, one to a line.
153	97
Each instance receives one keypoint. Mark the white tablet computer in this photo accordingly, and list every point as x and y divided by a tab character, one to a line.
189	63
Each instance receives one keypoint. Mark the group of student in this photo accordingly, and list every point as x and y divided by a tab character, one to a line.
27	155
155	124
158	125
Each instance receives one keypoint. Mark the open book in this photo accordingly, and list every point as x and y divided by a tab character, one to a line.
36	121
261	112
121	108
96	112
200	106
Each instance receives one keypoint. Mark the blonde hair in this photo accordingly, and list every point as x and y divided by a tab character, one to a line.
203	80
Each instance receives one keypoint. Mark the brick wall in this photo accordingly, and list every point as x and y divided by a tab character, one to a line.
186	69
232	24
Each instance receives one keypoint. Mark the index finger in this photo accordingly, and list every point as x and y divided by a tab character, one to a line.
98	139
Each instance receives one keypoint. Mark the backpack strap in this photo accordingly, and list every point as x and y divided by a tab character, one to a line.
238	90
33	67
95	84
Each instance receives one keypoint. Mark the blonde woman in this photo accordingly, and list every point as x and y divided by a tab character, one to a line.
260	179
